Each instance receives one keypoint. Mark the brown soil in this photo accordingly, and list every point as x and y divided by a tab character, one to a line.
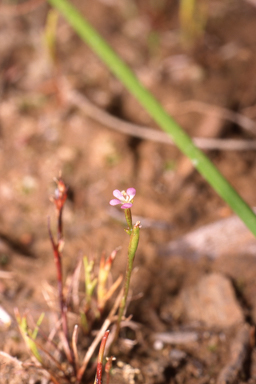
42	133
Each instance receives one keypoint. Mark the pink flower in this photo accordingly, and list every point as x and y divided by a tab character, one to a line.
125	198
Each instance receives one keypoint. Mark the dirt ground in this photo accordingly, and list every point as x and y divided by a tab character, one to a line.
194	313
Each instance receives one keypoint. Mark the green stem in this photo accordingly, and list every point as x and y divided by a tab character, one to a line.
133	245
128	218
157	112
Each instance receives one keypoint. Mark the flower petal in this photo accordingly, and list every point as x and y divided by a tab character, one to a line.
131	192
118	194
114	202
126	205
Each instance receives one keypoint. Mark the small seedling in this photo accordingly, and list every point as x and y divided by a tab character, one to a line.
60	355
104	294
27	334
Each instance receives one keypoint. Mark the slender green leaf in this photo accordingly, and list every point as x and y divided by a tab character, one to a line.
156	111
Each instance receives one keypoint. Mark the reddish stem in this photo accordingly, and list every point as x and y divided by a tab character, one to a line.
108	367
57	259
98	379
59	199
60	234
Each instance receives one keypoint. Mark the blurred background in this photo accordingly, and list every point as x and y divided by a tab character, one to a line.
197	57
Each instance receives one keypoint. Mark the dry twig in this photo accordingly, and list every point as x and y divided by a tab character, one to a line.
176	337
80	101
223	113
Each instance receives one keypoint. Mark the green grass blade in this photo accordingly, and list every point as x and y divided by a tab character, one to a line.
156	111
38	323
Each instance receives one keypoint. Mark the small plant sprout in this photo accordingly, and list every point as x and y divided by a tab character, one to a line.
126	199
102	293
29	336
90	284
94	306
90	281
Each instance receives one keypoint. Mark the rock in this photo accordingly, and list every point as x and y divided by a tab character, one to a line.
241	269
211	241
238	355
213	302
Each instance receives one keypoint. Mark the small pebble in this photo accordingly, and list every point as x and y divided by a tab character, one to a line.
177	355
5	319
158	345
176	337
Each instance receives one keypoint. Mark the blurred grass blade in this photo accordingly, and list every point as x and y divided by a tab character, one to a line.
193	17
38	323
27	334
50	35
156	111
